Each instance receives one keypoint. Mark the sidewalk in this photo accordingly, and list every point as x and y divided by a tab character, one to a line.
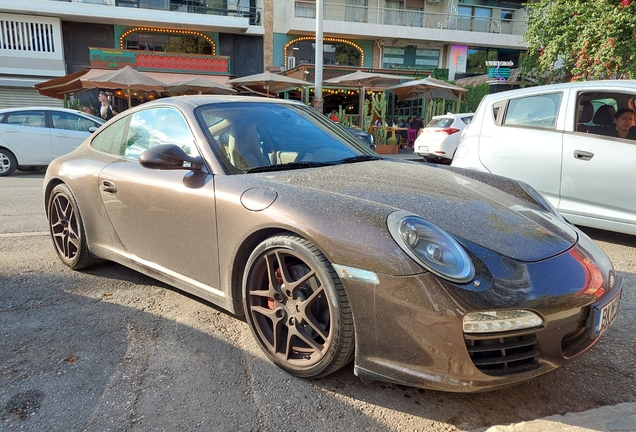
617	418
621	417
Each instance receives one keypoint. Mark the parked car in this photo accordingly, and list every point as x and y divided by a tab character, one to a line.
438	141
363	135
31	137
421	274
552	137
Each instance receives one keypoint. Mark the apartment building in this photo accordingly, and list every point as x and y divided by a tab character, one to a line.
458	35
44	39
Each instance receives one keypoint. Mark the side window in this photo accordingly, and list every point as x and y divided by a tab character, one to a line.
534	111
111	139
85	124
63	120
31	118
152	127
498	110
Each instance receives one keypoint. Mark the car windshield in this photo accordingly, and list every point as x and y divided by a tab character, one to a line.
263	136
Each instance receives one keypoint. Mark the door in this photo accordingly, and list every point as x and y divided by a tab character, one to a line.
25	133
164	217
68	131
521	138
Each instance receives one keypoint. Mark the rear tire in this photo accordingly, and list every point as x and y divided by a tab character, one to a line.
297	308
8	163
67	229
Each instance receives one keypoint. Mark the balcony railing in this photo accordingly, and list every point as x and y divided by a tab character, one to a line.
188	6
410	18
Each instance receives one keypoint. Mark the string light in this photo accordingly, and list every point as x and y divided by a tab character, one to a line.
160	30
327	39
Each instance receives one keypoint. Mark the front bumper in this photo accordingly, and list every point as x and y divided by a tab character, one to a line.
413	336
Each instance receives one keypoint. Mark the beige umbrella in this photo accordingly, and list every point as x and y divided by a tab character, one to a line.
197	85
427	88
362	79
126	78
271	81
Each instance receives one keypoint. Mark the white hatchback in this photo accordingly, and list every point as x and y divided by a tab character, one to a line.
34	136
438	140
557	138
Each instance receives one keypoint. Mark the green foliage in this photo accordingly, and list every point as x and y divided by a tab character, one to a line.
392	141
474	96
75	104
440	74
577	40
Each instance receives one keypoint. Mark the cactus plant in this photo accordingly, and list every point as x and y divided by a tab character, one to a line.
379	104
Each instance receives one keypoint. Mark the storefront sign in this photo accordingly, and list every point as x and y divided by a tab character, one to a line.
159	61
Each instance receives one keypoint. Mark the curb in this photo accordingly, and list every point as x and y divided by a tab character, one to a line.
621	417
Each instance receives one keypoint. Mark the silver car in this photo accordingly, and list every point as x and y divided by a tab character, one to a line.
34	136
557	138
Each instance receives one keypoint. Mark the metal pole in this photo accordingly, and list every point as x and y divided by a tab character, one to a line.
318	101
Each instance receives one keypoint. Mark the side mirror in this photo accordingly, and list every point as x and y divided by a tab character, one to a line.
92	129
169	157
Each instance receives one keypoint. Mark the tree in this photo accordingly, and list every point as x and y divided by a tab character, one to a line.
577	40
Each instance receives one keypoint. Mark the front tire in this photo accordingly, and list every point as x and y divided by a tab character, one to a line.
67	228
8	163
297	308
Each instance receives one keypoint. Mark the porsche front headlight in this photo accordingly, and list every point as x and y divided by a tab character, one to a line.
431	247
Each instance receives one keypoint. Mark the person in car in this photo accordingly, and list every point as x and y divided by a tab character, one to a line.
623	122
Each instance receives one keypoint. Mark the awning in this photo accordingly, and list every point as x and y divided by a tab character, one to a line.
71	83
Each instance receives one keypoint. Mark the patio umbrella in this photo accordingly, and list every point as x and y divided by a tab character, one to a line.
126	78
427	88
271	81
197	85
362	79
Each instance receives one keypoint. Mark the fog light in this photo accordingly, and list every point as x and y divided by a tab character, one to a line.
500	321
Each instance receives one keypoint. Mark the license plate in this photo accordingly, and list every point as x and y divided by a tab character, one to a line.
604	316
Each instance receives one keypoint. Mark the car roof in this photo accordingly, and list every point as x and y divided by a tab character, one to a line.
577	85
191	101
48	108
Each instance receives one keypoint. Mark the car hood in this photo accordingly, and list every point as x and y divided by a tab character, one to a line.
470	210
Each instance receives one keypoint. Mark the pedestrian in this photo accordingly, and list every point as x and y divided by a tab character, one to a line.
417	123
106	110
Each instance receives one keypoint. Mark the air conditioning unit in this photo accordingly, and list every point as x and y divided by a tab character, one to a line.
291	62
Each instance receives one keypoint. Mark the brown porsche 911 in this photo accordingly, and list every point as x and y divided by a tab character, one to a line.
423	275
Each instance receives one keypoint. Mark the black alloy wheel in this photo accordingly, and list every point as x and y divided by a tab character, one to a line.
297	308
67	229
8	163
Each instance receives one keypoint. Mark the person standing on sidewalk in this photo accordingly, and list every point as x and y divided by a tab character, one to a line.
106	110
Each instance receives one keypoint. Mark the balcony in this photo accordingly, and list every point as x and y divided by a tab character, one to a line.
375	22
165	13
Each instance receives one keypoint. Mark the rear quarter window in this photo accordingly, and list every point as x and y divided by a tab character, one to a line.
443	122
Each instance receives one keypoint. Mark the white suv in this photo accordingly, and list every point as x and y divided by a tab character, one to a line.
554	138
438	140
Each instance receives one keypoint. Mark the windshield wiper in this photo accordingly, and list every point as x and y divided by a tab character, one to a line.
289	166
359	158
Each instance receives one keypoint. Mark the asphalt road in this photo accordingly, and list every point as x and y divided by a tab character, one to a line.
110	349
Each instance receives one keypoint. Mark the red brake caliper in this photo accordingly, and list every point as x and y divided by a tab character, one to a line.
279	279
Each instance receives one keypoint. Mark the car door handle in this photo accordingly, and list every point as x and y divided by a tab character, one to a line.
583	155
109	187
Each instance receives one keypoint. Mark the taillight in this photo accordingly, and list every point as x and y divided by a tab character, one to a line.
449	131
